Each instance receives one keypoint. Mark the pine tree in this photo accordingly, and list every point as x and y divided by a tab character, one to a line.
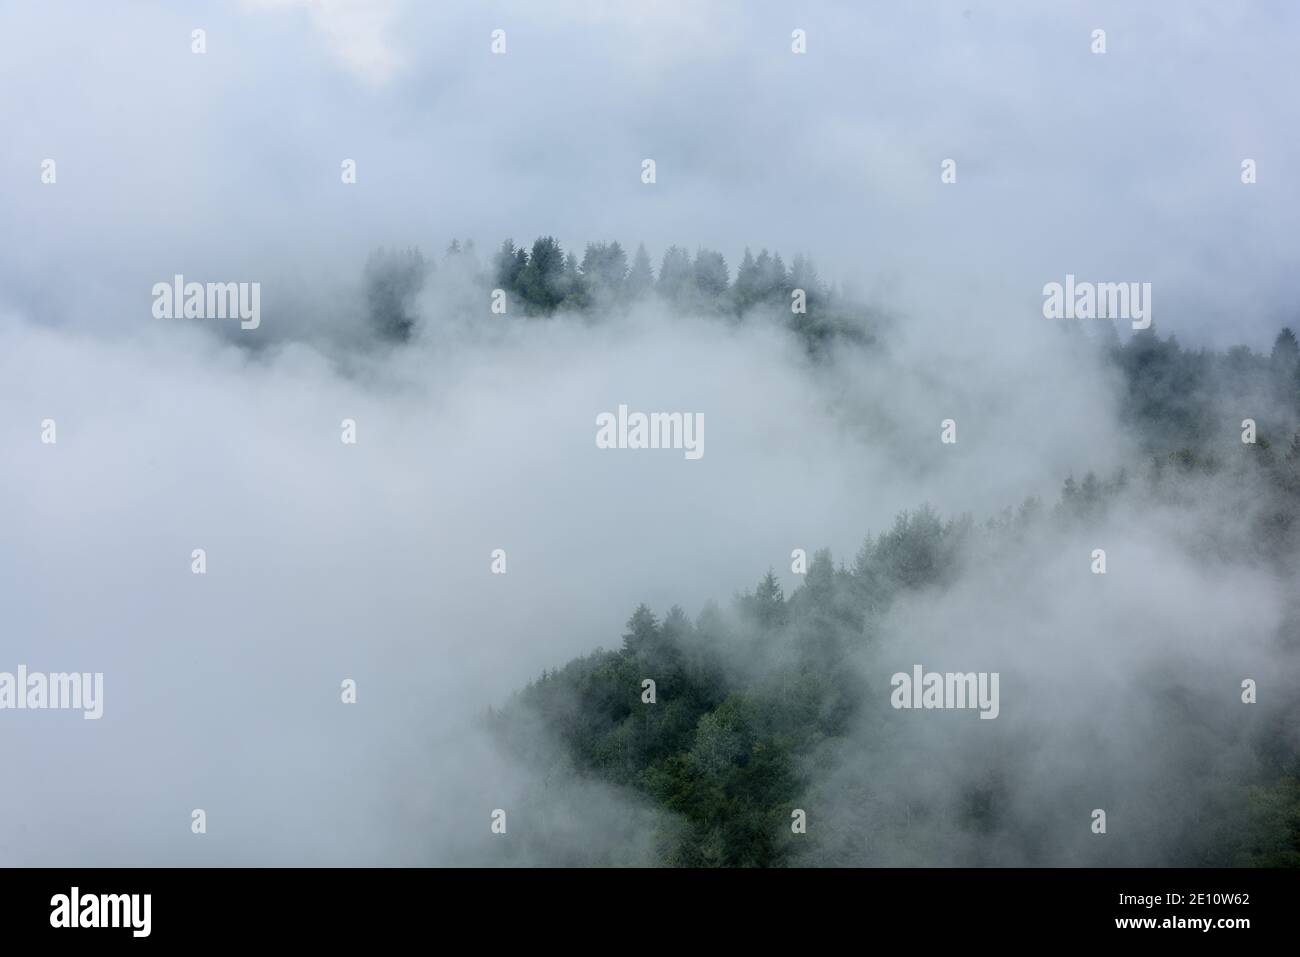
803	275
676	277
1286	351
575	292
604	270
768	602
614	267
747	282
1285	363
507	265
541	283
676	626
1090	494
771	282
774	282
640	279
819	582
642	631
711	278
517	269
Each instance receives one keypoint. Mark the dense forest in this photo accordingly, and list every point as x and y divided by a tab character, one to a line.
730	751
757	698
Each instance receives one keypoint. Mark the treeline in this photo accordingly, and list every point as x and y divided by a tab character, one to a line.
544	279
1191	398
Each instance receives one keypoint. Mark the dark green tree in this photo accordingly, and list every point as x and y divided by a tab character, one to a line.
541	283
766	605
642	633
507	265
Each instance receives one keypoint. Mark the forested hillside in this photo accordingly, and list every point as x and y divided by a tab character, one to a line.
761	700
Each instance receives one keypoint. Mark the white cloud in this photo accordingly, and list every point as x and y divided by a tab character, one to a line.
356	32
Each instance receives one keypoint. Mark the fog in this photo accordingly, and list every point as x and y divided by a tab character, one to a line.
1119	166
371	561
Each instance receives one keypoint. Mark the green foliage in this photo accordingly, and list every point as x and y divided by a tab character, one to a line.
542	283
748	700
1272	838
723	752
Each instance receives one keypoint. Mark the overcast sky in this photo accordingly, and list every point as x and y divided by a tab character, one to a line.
1122	166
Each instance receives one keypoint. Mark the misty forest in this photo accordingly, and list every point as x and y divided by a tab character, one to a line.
767	702
650	435
544	278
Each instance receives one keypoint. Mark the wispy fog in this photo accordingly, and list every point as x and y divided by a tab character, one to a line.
372	561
